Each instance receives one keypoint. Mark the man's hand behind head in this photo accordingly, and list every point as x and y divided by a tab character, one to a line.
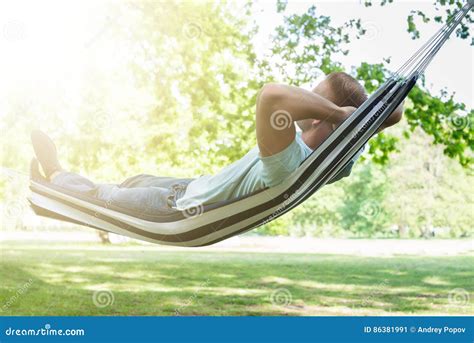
346	111
394	118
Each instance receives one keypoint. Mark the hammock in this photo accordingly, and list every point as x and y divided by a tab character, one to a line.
205	225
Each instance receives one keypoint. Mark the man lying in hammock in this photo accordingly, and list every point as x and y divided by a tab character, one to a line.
280	151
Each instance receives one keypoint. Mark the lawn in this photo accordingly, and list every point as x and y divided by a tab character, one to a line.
90	279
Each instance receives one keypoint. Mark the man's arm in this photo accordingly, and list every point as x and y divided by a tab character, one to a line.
300	103
394	118
279	106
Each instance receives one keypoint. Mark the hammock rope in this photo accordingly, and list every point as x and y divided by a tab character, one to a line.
421	59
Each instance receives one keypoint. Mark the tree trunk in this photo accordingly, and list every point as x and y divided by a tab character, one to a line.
104	237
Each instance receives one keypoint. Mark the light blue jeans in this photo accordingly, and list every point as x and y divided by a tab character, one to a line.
146	194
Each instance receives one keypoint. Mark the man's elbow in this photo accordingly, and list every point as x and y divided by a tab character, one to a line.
395	117
271	95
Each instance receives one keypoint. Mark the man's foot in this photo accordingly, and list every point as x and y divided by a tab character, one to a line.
46	153
35	173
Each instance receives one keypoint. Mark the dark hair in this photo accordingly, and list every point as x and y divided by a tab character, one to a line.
346	90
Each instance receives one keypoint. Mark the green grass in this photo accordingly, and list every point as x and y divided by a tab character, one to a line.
52	279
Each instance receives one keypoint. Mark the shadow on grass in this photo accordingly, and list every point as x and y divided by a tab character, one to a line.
107	281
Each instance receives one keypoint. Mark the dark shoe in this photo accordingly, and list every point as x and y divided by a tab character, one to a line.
35	173
46	152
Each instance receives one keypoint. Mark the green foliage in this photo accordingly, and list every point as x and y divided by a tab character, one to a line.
281	5
280	227
203	82
381	146
439	116
427	192
445	120
319	216
447	9
362	211
180	103
301	57
304	46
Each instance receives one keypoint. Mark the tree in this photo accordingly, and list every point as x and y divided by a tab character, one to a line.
301	57
363	211
199	60
446	9
426	191
179	100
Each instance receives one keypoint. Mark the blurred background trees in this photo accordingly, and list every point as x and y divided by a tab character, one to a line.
169	89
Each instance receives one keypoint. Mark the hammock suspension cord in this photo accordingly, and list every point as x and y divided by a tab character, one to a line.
421	59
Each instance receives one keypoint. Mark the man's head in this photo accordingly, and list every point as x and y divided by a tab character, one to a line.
340	88
343	89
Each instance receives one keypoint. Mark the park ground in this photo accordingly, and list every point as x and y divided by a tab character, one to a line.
245	278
